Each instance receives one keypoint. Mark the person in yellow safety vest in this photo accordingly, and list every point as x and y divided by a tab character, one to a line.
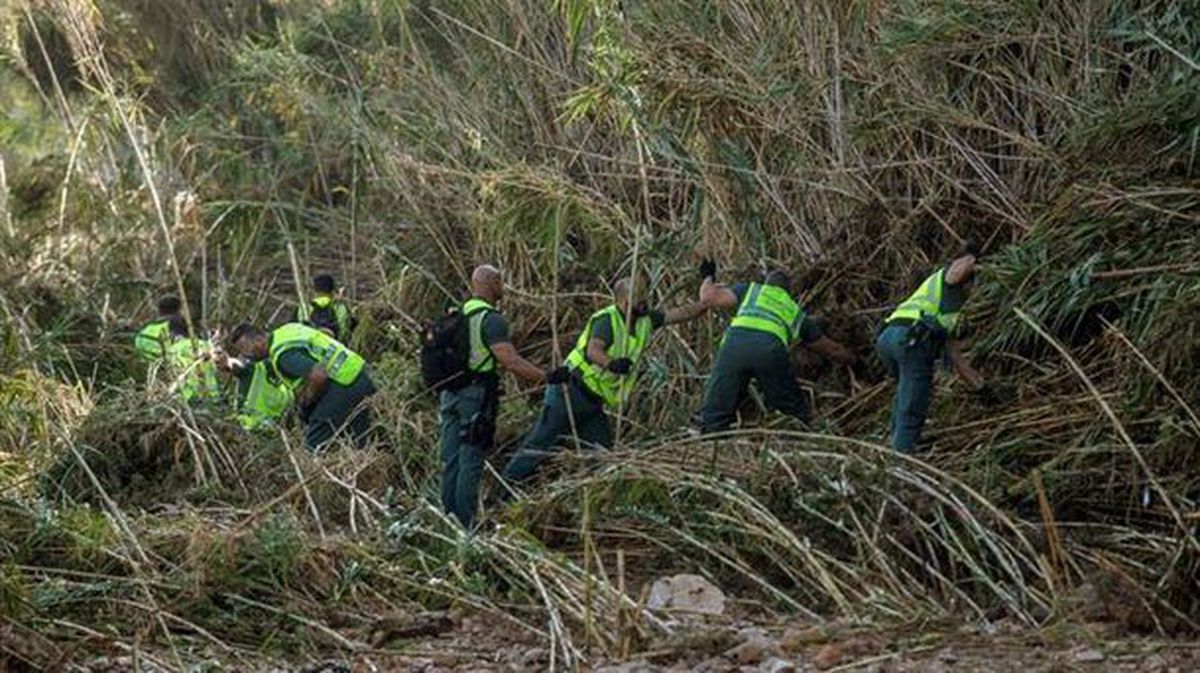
468	412
192	365
330	382
264	399
152	340
757	347
327	312
916	335
600	373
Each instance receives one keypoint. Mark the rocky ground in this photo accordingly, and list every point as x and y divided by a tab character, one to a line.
483	644
702	631
698	629
479	644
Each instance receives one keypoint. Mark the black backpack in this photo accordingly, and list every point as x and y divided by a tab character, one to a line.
323	318
446	351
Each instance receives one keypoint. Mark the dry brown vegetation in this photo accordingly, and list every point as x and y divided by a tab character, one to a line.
229	151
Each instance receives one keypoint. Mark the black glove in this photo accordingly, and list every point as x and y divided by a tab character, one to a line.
558	375
620	366
708	268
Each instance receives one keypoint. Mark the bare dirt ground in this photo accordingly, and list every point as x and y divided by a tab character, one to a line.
480	644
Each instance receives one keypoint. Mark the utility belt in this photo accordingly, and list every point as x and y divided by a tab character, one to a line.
489	381
922	331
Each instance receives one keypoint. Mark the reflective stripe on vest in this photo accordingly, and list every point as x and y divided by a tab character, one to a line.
265	400
151	341
340	363
198	378
770	309
481	360
609	387
927	301
341	315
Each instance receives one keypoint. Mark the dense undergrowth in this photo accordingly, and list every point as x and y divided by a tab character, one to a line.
230	151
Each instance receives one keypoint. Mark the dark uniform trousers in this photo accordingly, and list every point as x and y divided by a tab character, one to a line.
340	409
468	433
585	418
911	362
746	355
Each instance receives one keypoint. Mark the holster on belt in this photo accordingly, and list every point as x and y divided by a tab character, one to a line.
480	428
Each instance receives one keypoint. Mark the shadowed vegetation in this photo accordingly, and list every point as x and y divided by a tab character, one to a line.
228	152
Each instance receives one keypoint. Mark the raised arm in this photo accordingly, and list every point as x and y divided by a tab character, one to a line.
508	356
684	313
717	295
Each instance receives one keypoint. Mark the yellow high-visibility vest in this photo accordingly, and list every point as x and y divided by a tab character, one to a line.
611	388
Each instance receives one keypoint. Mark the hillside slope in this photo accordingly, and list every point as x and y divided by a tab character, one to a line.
228	152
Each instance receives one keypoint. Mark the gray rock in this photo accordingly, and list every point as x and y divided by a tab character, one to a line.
1088	656
777	665
686	593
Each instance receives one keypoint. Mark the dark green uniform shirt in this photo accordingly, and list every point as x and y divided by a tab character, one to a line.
953	298
294	363
337	401
494	329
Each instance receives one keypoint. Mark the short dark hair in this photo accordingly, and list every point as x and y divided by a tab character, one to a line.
972	247
324	283
169	305
778	278
243	331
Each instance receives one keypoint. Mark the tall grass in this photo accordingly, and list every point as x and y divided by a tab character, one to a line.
397	144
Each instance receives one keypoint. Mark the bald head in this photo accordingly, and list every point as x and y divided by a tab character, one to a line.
487	283
627	291
621	289
961	270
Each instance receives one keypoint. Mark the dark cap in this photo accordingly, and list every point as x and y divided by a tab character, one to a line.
169	305
324	283
778	278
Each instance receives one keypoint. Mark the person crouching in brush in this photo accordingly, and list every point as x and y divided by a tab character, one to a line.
190	361
600	372
918	333
767	323
331	382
